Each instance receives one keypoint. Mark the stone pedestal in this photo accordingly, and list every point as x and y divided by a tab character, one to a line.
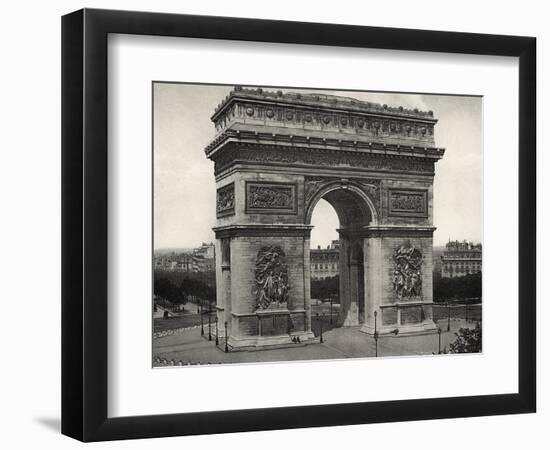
400	266
267	300
392	321
275	328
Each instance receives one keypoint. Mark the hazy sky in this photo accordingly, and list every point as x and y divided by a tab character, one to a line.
185	190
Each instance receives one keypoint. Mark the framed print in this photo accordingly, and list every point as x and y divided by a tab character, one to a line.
274	225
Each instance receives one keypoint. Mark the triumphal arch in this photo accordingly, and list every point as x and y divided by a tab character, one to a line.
276	155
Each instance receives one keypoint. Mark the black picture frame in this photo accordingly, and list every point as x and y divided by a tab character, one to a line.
84	224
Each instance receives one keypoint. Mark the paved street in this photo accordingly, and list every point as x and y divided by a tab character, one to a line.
188	347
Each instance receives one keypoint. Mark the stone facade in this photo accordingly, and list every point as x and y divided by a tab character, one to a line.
204	257
460	259
324	262
275	156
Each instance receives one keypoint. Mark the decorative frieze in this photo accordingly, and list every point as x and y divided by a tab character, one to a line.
271	198
320	158
412	203
313	119
319	101
324	113
225	200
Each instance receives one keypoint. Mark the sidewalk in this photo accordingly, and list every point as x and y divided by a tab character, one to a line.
188	347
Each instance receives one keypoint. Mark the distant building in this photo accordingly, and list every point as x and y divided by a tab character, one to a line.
184	262
460	258
203	258
181	262
324	261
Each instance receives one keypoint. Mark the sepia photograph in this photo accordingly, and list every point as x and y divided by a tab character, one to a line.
294	224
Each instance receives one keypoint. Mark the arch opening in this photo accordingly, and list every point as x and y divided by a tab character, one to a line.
352	205
345	288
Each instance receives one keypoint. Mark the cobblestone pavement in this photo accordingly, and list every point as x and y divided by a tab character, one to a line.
189	348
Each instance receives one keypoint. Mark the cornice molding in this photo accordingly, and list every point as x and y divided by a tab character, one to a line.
319	101
258	229
344	143
389	231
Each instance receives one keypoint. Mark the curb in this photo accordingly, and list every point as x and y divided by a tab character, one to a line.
160	334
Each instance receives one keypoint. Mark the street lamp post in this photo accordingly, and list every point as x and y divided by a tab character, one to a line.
376	334
319	319
217	340
202	322
439	345
331	310
448	317
226	348
288	324
209	326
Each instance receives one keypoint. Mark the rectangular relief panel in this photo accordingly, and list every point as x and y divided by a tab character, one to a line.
411	315
408	203
271	198
389	316
225	200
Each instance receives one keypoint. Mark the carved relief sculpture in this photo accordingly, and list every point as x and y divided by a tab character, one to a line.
271	197
271	278
407	275
313	185
371	187
318	158
225	200
408	203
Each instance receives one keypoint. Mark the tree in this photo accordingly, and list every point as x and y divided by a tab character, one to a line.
468	340
166	289
198	288
468	286
325	288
